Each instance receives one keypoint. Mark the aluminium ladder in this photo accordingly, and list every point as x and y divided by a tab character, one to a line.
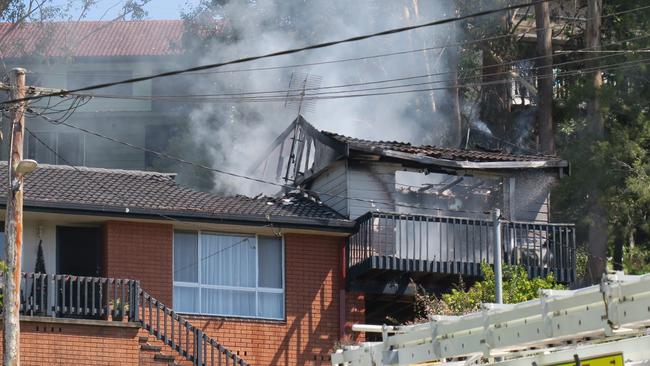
601	325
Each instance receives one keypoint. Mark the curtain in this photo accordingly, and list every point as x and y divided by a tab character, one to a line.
270	262
228	260
186	256
233	275
186	299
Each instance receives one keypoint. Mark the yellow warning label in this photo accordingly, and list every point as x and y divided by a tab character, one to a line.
608	360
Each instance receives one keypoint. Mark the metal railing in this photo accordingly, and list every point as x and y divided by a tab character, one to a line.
462	242
184	338
66	296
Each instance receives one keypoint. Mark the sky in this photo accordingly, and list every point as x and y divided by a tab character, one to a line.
156	9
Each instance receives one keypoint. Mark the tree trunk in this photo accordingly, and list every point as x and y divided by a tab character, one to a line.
545	78
456	128
594	12
598	230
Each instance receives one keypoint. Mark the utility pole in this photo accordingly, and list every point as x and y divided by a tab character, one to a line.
498	275
545	77
14	223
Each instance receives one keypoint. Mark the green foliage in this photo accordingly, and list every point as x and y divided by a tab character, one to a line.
636	261
40	260
517	287
612	171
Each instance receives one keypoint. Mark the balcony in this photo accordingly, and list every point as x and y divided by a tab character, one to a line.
119	300
439	245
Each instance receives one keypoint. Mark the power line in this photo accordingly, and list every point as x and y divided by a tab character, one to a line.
282	94
176	270
280	53
351	93
245	177
103	187
397	53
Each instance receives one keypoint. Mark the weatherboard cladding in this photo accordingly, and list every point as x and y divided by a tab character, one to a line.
153	193
437	152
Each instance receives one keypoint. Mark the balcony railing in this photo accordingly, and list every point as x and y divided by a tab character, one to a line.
434	244
65	296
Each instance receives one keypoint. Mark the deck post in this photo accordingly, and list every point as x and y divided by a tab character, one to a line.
496	219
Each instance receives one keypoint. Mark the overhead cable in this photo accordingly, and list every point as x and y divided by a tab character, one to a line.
280	53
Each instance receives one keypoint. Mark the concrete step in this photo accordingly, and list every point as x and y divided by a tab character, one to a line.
149	347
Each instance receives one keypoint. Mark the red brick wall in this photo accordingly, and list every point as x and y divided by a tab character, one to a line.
313	283
312	310
141	251
80	345
355	310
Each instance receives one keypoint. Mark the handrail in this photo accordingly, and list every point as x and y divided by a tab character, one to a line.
449	244
68	296
184	338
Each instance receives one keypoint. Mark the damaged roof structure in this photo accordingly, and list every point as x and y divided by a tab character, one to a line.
302	152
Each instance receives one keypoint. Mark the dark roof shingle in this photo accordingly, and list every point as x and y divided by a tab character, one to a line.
154	194
437	152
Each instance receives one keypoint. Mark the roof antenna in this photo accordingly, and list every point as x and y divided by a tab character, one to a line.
300	84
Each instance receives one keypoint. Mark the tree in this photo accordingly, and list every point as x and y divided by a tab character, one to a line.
545	78
40	260
607	194
517	287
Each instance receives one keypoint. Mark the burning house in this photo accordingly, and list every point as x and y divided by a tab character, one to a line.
422	212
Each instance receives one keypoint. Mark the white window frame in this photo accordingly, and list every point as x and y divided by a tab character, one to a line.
257	289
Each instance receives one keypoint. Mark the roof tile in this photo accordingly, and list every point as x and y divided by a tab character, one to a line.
437	152
153	193
93	38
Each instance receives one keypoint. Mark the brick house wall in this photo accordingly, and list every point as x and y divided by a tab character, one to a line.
81	345
311	328
312	284
140	251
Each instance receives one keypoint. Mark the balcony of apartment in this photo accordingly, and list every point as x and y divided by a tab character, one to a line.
428	247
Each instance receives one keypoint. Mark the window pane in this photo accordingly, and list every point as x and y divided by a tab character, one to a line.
186	254
271	305
270	262
70	148
37	151
228	302
228	260
186	299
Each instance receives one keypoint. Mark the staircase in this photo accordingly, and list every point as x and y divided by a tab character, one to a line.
154	353
166	338
172	330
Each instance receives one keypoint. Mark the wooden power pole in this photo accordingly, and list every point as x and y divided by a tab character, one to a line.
14	224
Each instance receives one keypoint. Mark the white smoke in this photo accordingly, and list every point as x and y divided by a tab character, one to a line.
235	134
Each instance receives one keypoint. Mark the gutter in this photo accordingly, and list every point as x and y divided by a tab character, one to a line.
333	225
476	165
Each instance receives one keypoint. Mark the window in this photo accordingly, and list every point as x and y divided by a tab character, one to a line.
230	275
69	148
80	79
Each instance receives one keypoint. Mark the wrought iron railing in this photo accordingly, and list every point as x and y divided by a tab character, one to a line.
449	244
184	338
65	296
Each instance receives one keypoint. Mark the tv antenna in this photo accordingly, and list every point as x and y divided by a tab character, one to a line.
300	84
